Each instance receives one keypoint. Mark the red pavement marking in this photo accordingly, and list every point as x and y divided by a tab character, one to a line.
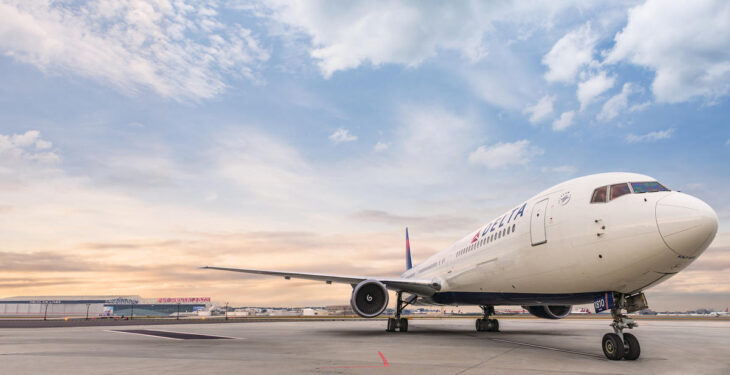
382	357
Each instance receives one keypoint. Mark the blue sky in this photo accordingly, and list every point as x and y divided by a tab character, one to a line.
176	133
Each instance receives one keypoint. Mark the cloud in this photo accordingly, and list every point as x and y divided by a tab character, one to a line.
594	86
542	109
687	44
618	103
639	107
342	135
348	35
650	137
381	146
178	50
505	154
564	121
26	147
569	54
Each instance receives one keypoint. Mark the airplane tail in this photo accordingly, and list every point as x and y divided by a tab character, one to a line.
409	264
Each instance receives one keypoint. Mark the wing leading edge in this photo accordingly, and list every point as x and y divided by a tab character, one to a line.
419	287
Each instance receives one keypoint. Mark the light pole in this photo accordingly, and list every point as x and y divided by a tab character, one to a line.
132	315
226	310
87	310
178	311
45	314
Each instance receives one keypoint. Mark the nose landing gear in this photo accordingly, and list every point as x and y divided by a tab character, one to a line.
485	324
619	345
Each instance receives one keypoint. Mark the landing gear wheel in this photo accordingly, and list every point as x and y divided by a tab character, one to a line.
493	325
403	325
632	349
391	325
480	325
613	347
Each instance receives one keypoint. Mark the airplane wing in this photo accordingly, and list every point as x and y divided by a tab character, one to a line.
418	287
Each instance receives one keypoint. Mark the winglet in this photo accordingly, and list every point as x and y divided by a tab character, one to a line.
409	264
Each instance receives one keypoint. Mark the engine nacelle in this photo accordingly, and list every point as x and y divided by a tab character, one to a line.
549	311
369	298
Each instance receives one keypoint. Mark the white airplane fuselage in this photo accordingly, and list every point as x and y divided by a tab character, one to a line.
559	248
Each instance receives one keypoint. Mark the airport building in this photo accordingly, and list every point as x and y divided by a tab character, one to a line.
102	306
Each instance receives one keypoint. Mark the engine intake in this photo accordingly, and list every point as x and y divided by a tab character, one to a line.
369	298
549	311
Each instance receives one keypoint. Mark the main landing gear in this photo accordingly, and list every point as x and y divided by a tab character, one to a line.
399	323
619	345
485	324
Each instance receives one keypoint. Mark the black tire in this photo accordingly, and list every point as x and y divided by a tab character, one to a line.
391	325
479	325
632	348
613	347
493	325
403	325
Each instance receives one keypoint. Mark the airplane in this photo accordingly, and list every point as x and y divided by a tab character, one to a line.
602	238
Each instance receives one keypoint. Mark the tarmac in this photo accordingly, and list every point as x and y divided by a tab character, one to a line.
432	346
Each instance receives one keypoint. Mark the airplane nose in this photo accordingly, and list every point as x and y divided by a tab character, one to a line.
686	224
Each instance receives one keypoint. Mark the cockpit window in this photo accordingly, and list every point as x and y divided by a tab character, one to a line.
647	187
619	190
599	195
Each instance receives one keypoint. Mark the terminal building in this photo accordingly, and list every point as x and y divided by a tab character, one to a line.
103	306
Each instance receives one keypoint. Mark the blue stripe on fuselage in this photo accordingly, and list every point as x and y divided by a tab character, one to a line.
491	298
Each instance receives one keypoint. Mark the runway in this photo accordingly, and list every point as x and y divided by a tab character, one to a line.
449	346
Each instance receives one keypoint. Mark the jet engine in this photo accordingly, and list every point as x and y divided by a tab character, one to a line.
369	298
549	311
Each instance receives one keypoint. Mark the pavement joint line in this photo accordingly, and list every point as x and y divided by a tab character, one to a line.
485	361
545	347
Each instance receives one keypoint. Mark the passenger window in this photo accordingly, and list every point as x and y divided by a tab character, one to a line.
619	190
508	228
599	195
513	227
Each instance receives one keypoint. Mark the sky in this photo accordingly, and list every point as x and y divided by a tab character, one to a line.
142	139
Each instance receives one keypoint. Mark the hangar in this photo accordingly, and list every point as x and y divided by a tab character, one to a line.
102	306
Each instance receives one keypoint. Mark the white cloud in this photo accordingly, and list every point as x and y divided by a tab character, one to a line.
346	35
687	44
342	135
639	107
564	121
569	54
178	50
505	154
618	103
650	137
594	86
542	109
381	146
26	147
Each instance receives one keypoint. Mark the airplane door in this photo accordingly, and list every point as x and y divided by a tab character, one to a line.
537	222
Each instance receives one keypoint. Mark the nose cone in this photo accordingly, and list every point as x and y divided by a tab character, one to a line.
686	224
